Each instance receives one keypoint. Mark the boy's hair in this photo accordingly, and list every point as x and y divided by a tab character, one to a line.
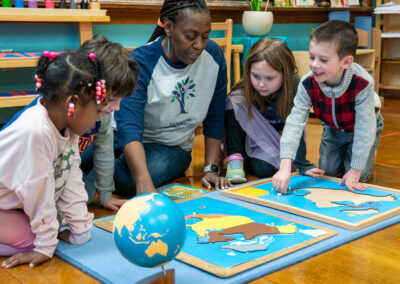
69	73
172	9
280	58
120	70
341	33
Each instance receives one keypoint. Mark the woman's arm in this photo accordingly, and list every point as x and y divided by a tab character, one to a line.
212	151
136	160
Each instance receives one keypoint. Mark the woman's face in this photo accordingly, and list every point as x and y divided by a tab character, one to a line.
188	37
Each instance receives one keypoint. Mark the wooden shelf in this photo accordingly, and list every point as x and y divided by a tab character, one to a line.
52	15
391	61
147	12
18	62
388	87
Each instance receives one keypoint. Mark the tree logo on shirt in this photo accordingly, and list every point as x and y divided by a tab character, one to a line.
184	90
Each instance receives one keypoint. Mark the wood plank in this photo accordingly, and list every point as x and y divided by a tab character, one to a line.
53	15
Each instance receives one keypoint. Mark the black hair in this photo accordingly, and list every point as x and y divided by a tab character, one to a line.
341	33
69	73
172	9
120	70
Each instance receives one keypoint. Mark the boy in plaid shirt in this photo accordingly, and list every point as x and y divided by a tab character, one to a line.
342	95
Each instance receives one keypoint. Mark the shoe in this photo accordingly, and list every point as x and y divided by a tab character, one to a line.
235	172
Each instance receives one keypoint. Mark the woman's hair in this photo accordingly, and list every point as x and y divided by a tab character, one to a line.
120	70
172	9
69	73
281	59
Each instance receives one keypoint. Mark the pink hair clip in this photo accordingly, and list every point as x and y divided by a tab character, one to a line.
100	91
92	55
49	55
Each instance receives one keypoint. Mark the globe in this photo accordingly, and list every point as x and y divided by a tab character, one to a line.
149	230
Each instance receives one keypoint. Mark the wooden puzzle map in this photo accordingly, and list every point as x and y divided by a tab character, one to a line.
178	191
224	238
324	200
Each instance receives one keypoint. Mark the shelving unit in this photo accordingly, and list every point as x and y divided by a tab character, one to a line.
84	18
389	22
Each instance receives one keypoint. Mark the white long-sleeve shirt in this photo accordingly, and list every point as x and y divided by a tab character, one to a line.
39	168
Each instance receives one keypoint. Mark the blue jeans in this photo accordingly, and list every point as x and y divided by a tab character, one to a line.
87	173
163	162
336	150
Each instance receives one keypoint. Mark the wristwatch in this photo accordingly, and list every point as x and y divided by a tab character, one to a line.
211	168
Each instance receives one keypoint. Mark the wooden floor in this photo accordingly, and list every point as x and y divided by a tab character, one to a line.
372	259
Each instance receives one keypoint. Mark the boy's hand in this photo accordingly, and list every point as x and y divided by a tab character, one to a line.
281	179
34	258
351	180
210	178
114	204
314	172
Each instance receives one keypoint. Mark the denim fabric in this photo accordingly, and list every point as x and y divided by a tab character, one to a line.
259	168
88	173
163	162
336	150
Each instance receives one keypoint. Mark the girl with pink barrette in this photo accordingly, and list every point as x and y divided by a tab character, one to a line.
39	165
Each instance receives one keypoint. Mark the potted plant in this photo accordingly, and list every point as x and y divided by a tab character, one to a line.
257	22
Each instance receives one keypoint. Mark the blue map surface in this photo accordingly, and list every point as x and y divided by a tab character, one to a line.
238	250
360	206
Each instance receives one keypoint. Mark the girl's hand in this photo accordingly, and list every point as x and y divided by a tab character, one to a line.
114	204
314	172
210	178
351	180
64	235
34	258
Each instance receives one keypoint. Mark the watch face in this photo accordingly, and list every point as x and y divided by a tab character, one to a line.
214	168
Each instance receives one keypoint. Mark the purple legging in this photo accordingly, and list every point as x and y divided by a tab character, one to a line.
15	232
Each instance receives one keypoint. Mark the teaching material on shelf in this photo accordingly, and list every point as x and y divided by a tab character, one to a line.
387	8
323	199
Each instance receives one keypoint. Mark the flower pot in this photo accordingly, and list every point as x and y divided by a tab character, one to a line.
257	23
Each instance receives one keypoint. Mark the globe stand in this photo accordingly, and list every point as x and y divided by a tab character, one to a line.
164	277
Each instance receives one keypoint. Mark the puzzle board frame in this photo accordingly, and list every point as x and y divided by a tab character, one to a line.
230	192
219	271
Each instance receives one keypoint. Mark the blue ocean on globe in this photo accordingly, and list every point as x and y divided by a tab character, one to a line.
149	230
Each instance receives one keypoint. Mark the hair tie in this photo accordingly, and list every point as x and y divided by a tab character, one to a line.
159	23
92	55
49	55
38	82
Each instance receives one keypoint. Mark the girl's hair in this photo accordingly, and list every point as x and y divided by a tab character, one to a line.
69	73
280	58
120	70
172	9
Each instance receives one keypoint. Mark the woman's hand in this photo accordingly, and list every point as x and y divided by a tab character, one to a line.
210	178
34	258
114	204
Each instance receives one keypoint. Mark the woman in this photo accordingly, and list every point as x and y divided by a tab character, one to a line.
182	83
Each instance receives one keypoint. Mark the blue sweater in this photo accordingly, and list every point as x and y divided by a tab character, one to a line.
172	100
